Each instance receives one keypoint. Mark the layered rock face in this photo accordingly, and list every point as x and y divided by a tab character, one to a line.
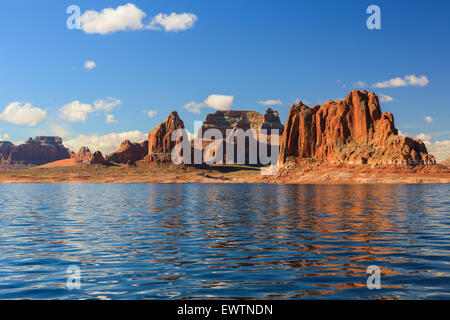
233	120
350	131
85	156
272	121
128	152
37	151
160	142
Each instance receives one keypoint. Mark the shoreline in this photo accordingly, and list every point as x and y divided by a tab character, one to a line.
307	172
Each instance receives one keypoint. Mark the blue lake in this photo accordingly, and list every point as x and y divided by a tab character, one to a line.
179	241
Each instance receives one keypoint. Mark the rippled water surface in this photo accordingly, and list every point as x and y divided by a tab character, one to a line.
153	241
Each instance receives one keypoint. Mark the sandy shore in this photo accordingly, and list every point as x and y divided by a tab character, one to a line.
307	173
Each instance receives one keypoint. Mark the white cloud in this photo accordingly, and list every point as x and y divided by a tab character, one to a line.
152	113
219	101
215	101
424	137
342	83
123	18
106	105
415	81
58	130
359	84
428	119
409	80
385	98
89	65
194	107
105	143
5	137
173	21
130	17
23	114
270	102
75	111
440	149
110	119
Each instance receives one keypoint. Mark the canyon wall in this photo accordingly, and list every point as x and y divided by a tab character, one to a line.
353	130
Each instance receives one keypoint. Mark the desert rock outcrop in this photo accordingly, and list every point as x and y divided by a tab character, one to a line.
37	151
160	142
128	151
353	130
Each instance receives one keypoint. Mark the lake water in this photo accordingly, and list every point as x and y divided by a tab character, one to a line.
174	241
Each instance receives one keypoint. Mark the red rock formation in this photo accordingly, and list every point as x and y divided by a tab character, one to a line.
350	131
38	151
85	156
128	151
97	158
159	139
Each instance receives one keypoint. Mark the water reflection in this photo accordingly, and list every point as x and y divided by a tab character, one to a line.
152	241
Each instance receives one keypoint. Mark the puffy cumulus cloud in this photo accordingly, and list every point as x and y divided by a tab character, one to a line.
428	119
123	18
106	105
194	107
105	143
129	17
409	80
58	130
173	21
440	149
110	119
219	101
23	114
215	101
5	137
75	111
385	98
424	137
270	102
89	65
359	84
152	113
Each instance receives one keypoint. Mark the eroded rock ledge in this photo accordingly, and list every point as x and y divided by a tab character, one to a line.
353	131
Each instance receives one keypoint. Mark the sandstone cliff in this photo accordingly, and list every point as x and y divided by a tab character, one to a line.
128	152
85	156
349	131
160	142
37	151
233	119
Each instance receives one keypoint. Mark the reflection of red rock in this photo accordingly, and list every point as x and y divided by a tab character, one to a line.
353	131
127	151
84	155
160	142
38	151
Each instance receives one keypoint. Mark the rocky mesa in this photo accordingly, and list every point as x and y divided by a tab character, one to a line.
353	131
37	151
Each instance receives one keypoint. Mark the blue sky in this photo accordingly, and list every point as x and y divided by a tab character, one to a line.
251	50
